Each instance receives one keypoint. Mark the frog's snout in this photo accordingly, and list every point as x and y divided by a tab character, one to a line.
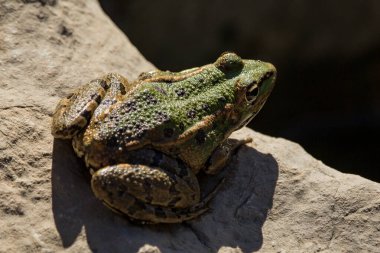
264	85
271	68
271	73
268	79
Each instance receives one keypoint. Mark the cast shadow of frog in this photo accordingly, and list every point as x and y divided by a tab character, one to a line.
235	219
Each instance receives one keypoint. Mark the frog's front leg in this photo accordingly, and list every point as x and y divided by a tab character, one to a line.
74	112
223	154
149	194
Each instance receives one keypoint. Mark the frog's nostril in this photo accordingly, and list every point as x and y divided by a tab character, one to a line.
268	75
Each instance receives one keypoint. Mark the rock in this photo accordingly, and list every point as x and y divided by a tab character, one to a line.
276	197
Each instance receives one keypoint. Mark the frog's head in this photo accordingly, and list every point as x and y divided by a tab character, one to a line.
251	81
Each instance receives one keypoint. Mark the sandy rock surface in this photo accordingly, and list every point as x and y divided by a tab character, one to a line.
276	197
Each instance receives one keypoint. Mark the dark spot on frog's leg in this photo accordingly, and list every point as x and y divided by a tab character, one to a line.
140	133
205	107
130	106
149	198
122	89
180	92
168	132
173	191
121	190
191	113
96	97
148	97
103	83
113	141
74	129
111	161
222	99
110	197
162	117
147	190
151	100
157	158
174	201
183	172
71	132
159	212
208	162
87	114
215	125
136	206
200	137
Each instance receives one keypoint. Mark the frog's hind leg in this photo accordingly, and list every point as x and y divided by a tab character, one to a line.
149	194
143	213
74	112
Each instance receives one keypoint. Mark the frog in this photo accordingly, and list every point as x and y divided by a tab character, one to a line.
145	142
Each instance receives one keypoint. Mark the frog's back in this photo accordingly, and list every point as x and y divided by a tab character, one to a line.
160	111
176	112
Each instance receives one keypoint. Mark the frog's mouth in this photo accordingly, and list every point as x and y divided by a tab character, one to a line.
246	121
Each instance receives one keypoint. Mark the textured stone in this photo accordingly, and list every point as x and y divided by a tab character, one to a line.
276	197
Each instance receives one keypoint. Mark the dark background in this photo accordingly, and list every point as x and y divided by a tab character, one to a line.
327	53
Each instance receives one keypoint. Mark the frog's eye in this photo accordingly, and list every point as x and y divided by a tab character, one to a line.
229	61
252	92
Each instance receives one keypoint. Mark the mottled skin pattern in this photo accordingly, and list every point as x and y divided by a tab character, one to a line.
145	142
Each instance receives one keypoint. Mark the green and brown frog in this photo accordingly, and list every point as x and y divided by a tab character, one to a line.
145	141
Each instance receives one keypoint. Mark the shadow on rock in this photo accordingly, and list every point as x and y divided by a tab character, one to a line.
239	211
72	199
235	219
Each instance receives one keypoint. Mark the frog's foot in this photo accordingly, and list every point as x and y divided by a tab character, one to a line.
223	154
149	194
143	213
74	112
